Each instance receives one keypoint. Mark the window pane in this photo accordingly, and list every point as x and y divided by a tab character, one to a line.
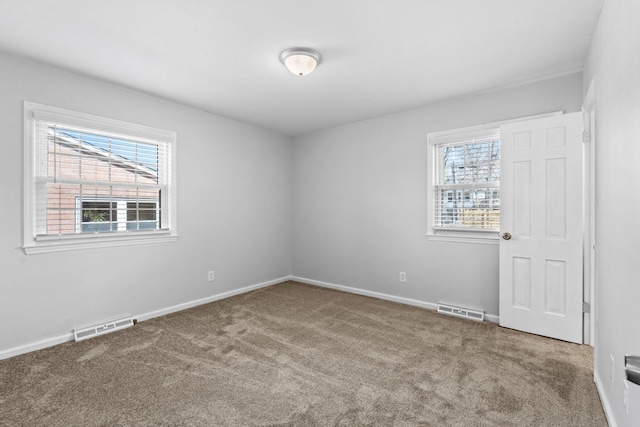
464	169
141	225
142	215
85	155
467	208
468	163
453	164
143	212
60	214
112	172
99	216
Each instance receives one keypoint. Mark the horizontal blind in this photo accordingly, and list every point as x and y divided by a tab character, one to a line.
467	181
91	181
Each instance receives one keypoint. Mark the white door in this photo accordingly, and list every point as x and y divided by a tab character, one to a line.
541	226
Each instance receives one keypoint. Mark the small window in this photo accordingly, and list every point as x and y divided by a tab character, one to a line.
92	181
467	184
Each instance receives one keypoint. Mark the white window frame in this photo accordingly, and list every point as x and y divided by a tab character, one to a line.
33	244
434	139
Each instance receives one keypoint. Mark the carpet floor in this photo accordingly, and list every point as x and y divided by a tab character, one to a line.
300	355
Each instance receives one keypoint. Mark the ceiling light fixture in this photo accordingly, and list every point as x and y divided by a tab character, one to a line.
300	60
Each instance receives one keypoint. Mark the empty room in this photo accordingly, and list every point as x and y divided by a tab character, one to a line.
356	212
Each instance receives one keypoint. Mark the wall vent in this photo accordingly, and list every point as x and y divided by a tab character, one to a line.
102	328
461	312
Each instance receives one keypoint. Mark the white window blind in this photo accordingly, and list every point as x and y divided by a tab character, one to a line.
467	181
74	163
96	178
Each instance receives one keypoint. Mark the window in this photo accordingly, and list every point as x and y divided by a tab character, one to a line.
464	182
467	184
91	181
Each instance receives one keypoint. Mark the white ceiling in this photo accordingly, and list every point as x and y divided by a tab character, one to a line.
378	56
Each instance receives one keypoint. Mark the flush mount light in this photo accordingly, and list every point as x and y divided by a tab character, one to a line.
300	60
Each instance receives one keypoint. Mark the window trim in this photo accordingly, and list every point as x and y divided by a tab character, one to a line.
449	136
45	244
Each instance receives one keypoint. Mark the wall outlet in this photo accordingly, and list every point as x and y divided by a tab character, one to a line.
613	371
211	276
403	277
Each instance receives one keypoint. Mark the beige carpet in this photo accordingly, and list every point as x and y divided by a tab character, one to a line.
294	354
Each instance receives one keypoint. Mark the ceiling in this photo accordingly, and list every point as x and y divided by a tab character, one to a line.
378	56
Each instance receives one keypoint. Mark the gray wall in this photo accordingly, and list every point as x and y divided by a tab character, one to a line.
234	213
614	59
360	208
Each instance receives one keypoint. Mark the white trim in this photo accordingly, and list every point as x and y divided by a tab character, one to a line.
36	345
63	245
448	136
606	405
402	300
60	339
38	245
466	237
492	125
113	127
217	297
590	214
578	68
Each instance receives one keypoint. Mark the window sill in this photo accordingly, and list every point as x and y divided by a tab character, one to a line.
83	243
485	238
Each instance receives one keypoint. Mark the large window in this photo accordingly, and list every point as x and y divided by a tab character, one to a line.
94	181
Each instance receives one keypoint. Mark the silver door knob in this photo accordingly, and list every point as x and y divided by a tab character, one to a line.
506	236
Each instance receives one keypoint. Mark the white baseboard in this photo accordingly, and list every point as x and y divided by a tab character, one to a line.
50	342
402	300
217	297
608	412
492	318
36	345
59	339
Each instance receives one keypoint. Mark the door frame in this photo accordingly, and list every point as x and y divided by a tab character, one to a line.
590	214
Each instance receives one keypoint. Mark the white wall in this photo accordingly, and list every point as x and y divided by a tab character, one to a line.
614	58
360	208
234	213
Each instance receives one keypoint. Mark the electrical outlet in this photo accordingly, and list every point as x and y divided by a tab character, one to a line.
613	371
403	277
211	276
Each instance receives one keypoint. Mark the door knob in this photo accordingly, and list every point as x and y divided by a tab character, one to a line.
506	236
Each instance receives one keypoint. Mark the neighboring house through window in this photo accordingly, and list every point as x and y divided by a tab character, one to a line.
107	215
92	181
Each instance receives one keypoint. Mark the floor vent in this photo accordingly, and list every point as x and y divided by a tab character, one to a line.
461	312
103	328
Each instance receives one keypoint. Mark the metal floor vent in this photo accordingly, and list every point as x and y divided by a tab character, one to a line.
103	328
461	312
